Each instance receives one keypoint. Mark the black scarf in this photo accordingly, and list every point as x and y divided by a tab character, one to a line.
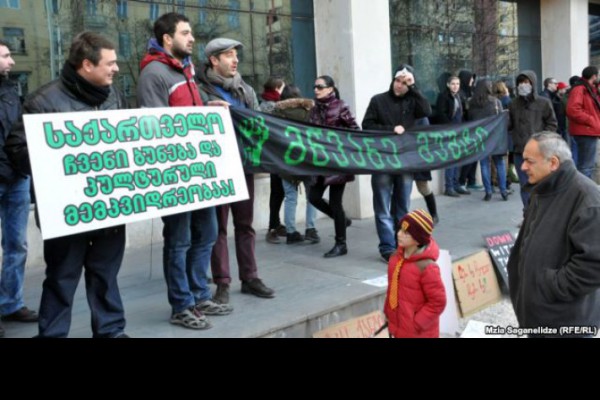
85	91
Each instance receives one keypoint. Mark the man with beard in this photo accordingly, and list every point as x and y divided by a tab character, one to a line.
222	81
167	80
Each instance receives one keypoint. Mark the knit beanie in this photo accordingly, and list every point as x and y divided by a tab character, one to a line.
419	225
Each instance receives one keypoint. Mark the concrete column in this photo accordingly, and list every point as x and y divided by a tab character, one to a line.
565	38
353	46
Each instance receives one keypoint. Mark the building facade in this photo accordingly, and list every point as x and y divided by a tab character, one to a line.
356	42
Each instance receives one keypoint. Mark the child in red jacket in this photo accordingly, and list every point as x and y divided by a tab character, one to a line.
416	296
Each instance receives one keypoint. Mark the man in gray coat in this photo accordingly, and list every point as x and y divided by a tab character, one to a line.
554	267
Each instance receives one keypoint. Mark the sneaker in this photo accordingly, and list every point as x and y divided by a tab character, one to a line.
312	236
281	230
257	288
221	296
209	307
462	190
191	318
293	238
273	237
451	193
22	315
477	188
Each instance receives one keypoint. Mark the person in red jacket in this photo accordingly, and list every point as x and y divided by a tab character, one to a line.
583	112
416	296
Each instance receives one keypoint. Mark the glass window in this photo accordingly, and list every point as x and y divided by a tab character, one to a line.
181	6
122	9
15	37
10	4
124	44
91	7
154	11
234	16
437	37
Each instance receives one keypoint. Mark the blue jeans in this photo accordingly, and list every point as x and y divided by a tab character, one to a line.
573	145
486	173
523	179
586	154
391	202
289	207
451	178
100	253
14	214
188	242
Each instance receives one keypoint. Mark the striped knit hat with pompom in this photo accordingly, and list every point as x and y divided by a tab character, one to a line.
419	225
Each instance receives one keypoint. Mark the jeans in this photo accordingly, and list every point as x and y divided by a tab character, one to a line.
188	242
100	253
14	213
486	173
391	202
586	154
523	179
573	145
451	178
289	207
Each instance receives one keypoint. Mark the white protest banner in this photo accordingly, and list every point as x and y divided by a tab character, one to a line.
94	170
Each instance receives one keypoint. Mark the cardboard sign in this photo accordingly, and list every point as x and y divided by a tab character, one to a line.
499	245
475	282
94	170
361	327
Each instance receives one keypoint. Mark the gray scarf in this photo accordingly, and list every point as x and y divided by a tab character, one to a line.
236	86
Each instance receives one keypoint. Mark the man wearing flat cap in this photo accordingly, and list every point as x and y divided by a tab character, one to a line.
222	81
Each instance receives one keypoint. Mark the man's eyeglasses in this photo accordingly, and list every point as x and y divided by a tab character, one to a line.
320	87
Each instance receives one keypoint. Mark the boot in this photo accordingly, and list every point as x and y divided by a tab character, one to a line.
511	176
339	249
432	208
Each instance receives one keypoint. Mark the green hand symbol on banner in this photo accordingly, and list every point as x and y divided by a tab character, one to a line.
256	133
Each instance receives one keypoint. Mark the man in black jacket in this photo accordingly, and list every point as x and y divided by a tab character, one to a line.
395	111
554	267
14	206
85	84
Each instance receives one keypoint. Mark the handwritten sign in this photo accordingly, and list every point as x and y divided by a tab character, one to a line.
94	170
361	327
499	245
475	282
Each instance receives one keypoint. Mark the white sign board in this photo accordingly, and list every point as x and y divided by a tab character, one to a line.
94	170
449	318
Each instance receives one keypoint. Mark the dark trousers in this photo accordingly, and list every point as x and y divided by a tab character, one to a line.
100	253
275	201
467	175
245	238
334	209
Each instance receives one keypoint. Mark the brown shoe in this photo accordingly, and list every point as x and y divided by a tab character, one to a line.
257	288
22	315
222	294
273	237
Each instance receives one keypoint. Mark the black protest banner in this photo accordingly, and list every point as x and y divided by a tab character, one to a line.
271	144
499	245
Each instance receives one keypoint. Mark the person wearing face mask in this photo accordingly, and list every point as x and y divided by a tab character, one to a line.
529	114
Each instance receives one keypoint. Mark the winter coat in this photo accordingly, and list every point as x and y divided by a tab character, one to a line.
335	113
386	110
491	108
554	267
10	110
54	97
165	82
445	108
583	112
530	115
421	295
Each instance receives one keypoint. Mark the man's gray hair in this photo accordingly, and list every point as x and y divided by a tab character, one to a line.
552	144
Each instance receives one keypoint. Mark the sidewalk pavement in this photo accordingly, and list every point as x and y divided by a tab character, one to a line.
312	292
